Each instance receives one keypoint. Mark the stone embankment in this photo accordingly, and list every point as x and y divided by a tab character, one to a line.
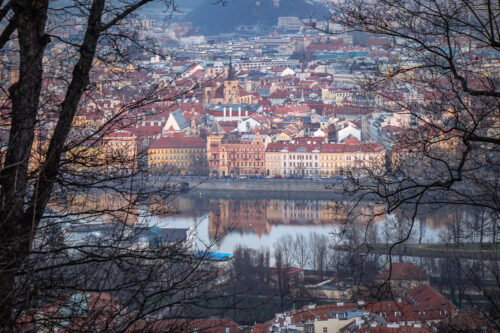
264	186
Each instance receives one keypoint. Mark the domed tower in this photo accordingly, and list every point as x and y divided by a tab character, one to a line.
210	69
214	138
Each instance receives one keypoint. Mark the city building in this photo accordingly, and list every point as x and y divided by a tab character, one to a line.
296	159
403	276
178	154
352	156
242	155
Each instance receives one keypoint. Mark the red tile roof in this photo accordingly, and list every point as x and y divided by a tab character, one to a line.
179	142
421	303
210	325
120	134
403	271
399	329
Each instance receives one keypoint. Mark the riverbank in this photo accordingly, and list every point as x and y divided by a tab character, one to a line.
487	251
262	186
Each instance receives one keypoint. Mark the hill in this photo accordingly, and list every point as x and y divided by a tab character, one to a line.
215	19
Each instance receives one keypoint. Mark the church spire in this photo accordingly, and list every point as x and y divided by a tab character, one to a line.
230	73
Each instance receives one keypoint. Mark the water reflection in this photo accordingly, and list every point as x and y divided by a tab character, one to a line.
259	222
259	216
103	206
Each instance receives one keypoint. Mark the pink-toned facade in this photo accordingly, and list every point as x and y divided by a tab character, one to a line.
236	154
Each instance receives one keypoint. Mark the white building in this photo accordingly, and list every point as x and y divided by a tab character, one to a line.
247	125
289	23
347	131
192	40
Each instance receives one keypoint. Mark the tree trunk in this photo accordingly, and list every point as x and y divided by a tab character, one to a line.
18	224
25	94
79	82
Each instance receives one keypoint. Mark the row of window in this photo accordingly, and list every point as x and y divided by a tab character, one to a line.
177	164
249	164
166	158
301	165
349	157
299	172
244	150
243	156
301	157
186	150
120	143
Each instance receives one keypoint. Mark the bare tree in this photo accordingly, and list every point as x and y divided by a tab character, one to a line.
285	244
447	150
58	180
282	277
449	153
300	252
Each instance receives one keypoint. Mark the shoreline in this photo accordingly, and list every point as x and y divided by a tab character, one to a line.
266	185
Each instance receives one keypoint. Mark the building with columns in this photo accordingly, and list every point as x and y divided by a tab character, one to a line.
233	112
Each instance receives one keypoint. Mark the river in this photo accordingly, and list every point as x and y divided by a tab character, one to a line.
259	222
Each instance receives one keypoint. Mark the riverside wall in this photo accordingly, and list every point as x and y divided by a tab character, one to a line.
256	184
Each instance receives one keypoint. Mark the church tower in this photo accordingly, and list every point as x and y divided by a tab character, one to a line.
231	87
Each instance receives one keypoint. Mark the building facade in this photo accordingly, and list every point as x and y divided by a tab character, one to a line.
236	154
178	154
338	159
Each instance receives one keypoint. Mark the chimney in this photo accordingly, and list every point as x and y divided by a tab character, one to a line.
224	114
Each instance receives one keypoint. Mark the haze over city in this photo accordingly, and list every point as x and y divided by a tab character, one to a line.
249	166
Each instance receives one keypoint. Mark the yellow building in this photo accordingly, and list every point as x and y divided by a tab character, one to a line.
178	154
337	95
331	324
351	156
39	149
117	152
273	159
120	151
283	136
86	158
82	122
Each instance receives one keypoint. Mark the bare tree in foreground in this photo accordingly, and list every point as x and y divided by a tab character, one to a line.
447	152
78	251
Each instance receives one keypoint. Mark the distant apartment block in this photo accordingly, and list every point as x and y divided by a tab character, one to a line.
289	23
